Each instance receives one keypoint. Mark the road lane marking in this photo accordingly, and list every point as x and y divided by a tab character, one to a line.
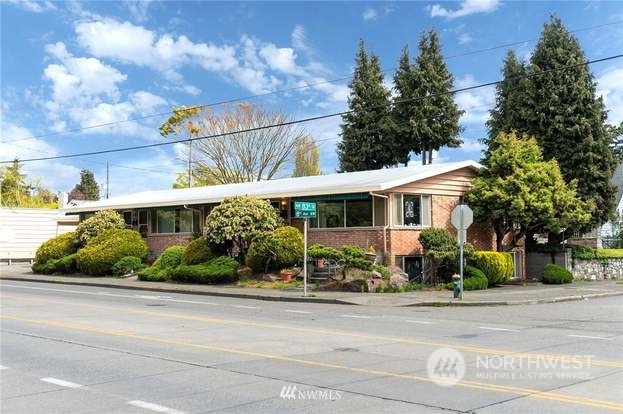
61	382
533	393
245	307
590	337
116	295
329	332
297	311
356	316
489	328
154	407
420	322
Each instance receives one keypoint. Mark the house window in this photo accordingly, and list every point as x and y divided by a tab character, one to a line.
179	220
358	213
330	214
411	265
346	211
127	217
412	210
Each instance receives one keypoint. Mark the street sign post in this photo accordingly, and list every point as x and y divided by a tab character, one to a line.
304	210
462	217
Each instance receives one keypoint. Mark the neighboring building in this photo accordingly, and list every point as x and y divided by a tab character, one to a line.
385	208
23	230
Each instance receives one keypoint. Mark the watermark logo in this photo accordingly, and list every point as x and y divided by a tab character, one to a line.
291	392
446	367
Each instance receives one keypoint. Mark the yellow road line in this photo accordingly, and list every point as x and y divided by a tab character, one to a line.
220	321
532	393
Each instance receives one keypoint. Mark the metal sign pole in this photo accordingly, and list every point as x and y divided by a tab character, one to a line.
461	242
305	258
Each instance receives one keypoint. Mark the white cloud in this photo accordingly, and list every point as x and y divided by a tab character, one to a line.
33	6
464	38
610	86
299	38
146	103
476	103
369	14
281	59
466	8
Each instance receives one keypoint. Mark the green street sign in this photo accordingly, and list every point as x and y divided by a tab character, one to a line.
304	209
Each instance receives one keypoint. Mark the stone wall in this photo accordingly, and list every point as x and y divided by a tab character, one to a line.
598	269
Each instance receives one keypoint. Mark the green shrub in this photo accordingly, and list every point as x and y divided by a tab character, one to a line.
219	270
66	265
198	251
280	248
318	251
359	263
583	253
46	268
55	248
475	279
554	275
128	264
102	252
609	253
154	274
353	252
497	266
96	224
170	258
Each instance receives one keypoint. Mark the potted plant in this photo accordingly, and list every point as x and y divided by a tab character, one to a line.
286	274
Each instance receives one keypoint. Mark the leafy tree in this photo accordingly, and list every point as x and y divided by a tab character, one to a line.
512	109
520	193
366	129
15	191
615	134
234	156
568	120
200	178
435	120
306	158
238	220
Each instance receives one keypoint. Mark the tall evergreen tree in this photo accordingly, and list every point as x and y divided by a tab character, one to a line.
435	118
88	189
366	129
13	187
404	109
512	103
568	119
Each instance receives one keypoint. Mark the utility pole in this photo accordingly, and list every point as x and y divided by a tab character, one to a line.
107	180
190	159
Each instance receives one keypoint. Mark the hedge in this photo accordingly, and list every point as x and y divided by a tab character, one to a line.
555	275
160	271
475	279
219	270
198	251
128	264
102	252
497	266
56	248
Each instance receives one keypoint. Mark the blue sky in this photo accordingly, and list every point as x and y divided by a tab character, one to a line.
69	65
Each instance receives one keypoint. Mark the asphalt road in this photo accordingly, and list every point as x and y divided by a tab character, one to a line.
76	349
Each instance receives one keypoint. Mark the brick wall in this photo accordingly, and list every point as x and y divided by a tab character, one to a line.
339	237
158	242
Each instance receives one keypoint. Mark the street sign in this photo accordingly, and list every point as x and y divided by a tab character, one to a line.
304	209
468	217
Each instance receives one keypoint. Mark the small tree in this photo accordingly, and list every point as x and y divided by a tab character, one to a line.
442	250
238	220
519	193
306	158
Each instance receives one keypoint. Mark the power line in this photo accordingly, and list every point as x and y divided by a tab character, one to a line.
318	117
279	91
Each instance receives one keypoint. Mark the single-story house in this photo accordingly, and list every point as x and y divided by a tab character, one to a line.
384	209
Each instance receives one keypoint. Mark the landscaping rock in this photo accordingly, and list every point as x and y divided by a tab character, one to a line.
398	278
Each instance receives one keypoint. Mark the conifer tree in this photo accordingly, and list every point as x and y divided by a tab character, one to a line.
366	130
404	109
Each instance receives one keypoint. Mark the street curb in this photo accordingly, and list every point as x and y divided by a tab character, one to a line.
311	299
518	302
189	291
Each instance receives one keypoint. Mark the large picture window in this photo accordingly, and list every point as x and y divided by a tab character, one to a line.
348	210
178	220
412	210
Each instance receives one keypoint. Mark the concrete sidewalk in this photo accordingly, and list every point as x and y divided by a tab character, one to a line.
504	295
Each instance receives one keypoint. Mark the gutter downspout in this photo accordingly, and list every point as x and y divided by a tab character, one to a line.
386	220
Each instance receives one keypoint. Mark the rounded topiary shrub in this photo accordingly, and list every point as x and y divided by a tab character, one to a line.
198	251
56	248
555	274
102	252
497	266
284	246
160	271
128	264
96	224
218	270
475	279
